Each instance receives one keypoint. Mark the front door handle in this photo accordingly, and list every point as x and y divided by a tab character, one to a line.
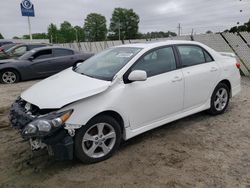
213	69
176	79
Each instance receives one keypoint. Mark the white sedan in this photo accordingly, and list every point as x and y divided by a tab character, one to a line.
122	92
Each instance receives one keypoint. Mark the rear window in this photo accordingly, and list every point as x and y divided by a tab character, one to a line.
43	54
208	57
62	52
193	55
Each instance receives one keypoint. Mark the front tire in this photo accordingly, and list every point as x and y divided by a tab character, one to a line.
98	139
219	99
9	77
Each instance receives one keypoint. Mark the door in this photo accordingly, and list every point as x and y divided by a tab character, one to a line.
200	74
64	58
161	95
42	63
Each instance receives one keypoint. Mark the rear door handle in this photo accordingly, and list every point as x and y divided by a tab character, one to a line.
176	79
213	69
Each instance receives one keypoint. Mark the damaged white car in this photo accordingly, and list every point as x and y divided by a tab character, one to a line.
124	91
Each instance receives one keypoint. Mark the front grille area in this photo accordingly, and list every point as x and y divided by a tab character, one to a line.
22	113
19	117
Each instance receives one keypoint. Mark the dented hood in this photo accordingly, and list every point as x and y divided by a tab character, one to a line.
62	89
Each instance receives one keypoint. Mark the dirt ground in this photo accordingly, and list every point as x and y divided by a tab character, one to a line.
197	151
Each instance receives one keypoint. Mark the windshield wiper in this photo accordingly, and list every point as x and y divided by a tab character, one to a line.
87	75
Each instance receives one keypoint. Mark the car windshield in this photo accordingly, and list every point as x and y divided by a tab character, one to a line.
106	64
10	49
7	46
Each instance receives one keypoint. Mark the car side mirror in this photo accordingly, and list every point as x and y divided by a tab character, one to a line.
137	75
78	64
31	58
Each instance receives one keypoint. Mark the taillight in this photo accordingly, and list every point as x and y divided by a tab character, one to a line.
1	49
238	65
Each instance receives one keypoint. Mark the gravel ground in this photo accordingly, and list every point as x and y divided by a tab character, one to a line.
197	151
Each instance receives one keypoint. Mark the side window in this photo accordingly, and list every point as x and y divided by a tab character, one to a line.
157	62
191	55
62	52
43	54
208	57
20	50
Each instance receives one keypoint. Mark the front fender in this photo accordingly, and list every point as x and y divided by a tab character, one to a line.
86	109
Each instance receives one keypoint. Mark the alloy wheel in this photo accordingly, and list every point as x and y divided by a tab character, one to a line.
221	99
99	140
9	77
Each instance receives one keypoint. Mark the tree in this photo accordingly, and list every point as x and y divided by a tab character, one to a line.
233	29
209	32
1	36
67	33
80	36
15	37
124	23
157	34
36	36
241	28
53	33
95	27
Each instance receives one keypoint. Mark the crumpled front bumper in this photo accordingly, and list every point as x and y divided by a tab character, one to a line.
18	117
59	143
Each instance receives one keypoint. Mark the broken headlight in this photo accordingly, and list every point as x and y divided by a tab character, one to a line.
45	125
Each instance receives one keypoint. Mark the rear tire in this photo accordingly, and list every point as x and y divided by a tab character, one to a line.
9	77
219	99
98	139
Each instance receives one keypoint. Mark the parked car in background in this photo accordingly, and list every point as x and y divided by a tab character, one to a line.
123	92
20	49
3	42
39	63
5	47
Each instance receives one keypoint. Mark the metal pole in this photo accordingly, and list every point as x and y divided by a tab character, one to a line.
30	29
179	29
119	30
76	36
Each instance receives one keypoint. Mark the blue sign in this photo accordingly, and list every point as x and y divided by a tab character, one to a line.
27	8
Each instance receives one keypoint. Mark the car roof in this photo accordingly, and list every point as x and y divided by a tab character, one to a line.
3	40
159	43
30	44
51	47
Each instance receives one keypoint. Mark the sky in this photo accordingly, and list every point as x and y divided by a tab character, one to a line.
155	15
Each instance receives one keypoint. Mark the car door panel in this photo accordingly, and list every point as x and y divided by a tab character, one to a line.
161	95
200	76
199	81
64	62
154	99
43	67
64	58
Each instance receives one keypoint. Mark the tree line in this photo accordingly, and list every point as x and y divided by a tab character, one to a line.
240	28
124	25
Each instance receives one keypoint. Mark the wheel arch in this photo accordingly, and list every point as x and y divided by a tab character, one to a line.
228	84
114	115
14	69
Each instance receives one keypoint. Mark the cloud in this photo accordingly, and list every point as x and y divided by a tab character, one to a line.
201	15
